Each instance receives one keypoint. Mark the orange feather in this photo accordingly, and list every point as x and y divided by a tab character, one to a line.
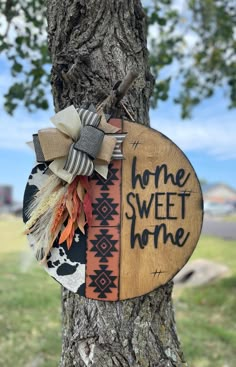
77	205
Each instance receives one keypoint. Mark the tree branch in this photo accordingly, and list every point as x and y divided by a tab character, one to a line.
119	90
123	86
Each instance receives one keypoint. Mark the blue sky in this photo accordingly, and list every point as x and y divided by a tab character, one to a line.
208	139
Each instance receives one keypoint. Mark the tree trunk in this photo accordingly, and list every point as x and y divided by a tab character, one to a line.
93	44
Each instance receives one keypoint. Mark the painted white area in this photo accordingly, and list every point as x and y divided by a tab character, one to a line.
38	179
71	281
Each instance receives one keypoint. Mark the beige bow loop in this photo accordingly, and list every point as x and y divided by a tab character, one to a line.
78	144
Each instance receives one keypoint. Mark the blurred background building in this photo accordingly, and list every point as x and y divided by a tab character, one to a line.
219	199
7	204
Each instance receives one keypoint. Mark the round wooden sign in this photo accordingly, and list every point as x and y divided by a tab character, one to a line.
146	220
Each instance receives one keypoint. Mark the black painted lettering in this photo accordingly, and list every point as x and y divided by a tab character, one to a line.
180	174
145	237
159	235
135	236
158	204
183	206
177	179
169	204
166	175
179	234
143	208
136	177
128	198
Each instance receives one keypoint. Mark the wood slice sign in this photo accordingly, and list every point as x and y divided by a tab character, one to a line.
146	220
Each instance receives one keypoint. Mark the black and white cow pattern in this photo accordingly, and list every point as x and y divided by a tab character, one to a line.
66	266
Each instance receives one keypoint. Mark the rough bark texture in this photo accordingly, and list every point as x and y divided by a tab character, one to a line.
93	44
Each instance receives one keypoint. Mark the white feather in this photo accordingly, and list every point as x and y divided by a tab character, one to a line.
43	194
41	212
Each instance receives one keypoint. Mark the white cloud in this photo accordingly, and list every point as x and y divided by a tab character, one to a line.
209	135
214	137
180	5
191	39
16	131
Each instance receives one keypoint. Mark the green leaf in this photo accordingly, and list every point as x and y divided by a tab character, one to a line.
17	67
201	69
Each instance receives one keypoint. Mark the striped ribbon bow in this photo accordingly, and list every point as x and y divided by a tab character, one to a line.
82	142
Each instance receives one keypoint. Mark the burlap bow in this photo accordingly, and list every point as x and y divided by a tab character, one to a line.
82	142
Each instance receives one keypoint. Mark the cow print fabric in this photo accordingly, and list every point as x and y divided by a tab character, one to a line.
67	267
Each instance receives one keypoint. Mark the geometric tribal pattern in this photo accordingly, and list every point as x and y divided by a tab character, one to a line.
103	240
105	183
103	281
104	209
104	245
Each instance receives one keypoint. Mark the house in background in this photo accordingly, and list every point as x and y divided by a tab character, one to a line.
219	199
219	193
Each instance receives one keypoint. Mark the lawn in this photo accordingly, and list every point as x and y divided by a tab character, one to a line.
230	218
30	305
30	308
205	315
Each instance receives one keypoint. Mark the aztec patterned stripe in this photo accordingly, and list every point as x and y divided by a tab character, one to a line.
78	163
117	154
103	240
88	117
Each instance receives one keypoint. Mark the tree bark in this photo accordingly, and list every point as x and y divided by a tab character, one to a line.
93	44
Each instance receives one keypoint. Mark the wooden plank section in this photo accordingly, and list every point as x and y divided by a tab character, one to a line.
161	211
103	241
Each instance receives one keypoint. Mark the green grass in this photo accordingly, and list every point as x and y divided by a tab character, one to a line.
230	218
30	308
205	315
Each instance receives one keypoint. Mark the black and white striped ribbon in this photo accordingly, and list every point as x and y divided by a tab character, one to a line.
88	117
78	162
117	153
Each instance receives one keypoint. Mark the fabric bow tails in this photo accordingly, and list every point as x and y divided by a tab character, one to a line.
82	142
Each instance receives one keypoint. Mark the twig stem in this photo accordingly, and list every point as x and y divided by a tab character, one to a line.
119	91
123	87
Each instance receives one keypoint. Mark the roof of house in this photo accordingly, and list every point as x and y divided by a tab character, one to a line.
209	187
